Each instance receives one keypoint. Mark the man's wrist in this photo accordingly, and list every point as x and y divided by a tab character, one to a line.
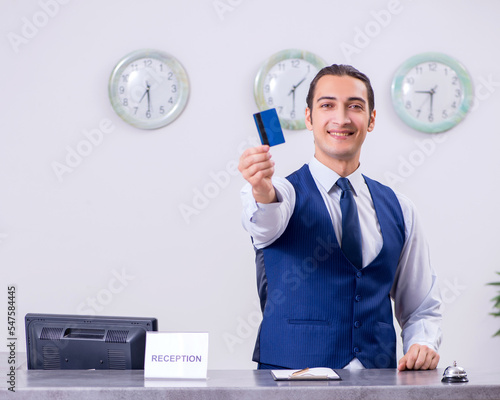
267	198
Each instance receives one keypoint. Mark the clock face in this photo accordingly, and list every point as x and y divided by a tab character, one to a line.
148	89
432	92
283	82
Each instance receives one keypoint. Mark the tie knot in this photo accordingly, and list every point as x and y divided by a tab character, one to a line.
344	184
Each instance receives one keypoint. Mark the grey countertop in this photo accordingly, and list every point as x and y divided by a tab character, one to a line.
250	384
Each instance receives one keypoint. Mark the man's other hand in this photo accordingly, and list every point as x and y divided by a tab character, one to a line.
257	168
419	357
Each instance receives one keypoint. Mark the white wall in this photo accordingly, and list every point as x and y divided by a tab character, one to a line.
63	243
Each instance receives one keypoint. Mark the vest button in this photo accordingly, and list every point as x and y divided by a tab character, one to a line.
358	297
358	274
356	350
357	324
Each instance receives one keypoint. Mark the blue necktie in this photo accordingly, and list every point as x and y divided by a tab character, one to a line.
351	231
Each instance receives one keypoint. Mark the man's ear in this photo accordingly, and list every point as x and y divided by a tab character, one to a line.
309	125
371	124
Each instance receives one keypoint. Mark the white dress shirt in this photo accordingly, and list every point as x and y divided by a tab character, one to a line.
416	295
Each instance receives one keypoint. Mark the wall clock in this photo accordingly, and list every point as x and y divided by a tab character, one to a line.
148	89
283	81
432	92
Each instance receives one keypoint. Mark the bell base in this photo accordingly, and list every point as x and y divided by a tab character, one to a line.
454	379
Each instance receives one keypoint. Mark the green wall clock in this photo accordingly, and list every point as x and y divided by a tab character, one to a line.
282	82
148	89
432	92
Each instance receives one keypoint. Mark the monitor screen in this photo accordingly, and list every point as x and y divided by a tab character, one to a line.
86	342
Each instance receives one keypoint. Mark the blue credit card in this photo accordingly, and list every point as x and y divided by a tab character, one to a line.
269	127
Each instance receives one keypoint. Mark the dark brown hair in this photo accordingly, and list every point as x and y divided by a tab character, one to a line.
342	70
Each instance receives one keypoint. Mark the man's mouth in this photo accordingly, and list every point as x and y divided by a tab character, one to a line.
340	133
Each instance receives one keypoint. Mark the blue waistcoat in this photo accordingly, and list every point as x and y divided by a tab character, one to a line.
318	309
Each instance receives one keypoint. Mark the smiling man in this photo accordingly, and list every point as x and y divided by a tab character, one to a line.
333	247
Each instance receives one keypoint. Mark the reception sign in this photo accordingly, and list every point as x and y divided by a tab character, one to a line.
176	355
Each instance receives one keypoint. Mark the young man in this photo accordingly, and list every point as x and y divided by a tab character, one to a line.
326	303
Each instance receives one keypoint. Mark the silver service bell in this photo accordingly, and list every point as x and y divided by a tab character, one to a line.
454	374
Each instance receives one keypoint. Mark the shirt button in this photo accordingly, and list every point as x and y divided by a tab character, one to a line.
357	324
358	297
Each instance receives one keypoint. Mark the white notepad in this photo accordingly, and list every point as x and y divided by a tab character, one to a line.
318	373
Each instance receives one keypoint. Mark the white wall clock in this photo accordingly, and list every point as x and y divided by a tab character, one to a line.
148	89
432	92
283	82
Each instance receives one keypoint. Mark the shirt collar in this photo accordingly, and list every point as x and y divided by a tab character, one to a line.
327	177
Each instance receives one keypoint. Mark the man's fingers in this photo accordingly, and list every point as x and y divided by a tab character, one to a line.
259	171
402	364
248	154
419	357
434	362
256	164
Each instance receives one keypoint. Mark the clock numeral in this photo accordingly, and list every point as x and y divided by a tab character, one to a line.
295	63
410	80
171	100
148	114
281	66
125	78
280	109
454	104
170	75
458	93
267	88
174	89
134	67
270	101
162	110
135	110
454	80
148	63
292	114
418	112
432	66
125	102
121	90
445	114
408	105
431	117
418	70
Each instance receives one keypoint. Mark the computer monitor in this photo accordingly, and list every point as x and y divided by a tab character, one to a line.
86	342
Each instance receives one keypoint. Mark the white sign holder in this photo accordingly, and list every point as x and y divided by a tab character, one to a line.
176	355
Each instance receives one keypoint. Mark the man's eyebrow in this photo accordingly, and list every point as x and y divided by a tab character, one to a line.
349	99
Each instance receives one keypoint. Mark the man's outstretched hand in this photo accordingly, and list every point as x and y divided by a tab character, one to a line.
257	168
419	357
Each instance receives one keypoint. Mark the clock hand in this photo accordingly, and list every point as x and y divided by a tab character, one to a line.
146	93
298	84
149	98
292	92
431	93
433	90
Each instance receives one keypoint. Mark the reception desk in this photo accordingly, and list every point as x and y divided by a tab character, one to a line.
251	384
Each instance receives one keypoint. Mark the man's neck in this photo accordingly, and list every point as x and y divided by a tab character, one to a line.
342	167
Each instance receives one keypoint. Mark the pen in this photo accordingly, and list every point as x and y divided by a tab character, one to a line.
300	372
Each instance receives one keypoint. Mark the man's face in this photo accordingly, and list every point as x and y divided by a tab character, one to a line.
340	119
